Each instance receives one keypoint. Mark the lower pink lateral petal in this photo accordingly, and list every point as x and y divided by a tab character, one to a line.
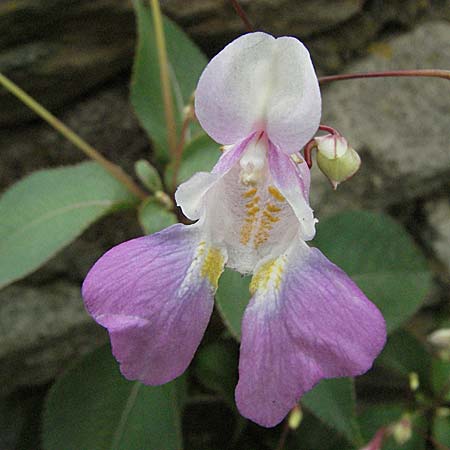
307	320
152	297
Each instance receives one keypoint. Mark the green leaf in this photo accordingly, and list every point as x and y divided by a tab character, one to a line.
154	217
381	258
215	366
48	209
232	298
200	155
93	407
333	402
314	434
377	416
186	64
404	354
441	427
148	175
441	378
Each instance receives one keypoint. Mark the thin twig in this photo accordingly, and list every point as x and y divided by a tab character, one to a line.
164	76
116	171
283	436
435	73
242	15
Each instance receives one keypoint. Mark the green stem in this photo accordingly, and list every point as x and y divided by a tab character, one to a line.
116	171
164	76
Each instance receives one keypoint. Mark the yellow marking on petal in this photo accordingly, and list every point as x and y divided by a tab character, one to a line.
275	193
269	275
254	201
252	210
250	193
212	266
270	217
273	208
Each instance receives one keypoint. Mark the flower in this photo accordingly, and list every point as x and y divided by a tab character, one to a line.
306	319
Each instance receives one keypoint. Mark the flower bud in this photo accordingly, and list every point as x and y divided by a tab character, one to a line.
402	430
414	382
295	418
440	339
336	159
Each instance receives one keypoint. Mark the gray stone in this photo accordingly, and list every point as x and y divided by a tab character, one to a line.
105	120
69	48
438	217
400	127
213	18
41	331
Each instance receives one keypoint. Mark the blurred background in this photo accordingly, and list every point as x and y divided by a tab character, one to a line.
75	57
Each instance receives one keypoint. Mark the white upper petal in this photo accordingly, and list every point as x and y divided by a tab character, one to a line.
259	83
294	106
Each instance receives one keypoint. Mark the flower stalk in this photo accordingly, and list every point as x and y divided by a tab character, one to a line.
242	15
164	76
434	73
116	171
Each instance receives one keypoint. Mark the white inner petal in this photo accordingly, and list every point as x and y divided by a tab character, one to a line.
247	214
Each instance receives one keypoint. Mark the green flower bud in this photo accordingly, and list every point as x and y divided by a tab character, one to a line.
336	159
148	175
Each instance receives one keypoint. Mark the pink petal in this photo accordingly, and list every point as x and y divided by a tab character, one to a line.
155	300
190	195
311	323
293	181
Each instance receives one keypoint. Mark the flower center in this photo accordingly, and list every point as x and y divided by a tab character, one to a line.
254	162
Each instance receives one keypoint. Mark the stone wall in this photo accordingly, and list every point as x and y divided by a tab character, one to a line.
75	58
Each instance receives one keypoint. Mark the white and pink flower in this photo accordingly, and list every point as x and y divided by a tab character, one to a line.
306	319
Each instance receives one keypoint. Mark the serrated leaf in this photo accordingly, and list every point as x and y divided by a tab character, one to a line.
45	211
154	217
381	258
200	155
93	407
186	64
333	402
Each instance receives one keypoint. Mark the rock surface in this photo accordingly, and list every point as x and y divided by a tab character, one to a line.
75	46
399	126
438	216
41	331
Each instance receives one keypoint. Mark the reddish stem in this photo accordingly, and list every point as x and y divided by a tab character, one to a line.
436	73
307	152
377	440
328	129
242	15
